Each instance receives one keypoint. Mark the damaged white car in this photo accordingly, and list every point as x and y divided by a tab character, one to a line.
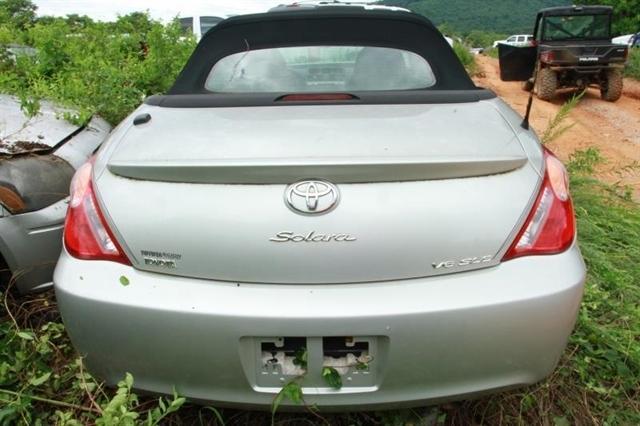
38	156
322	189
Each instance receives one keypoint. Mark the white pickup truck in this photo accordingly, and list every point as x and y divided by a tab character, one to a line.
516	40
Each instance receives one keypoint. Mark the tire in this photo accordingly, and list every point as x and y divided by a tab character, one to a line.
611	88
546	84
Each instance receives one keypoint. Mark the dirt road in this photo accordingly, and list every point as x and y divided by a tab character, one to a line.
613	128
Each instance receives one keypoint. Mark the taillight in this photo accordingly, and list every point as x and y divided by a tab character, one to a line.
547	56
298	97
550	226
86	234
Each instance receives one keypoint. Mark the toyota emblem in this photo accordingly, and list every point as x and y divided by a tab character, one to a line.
312	196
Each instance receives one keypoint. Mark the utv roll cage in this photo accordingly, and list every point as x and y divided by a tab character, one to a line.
570	11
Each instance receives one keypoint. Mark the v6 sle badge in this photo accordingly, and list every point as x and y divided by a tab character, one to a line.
467	261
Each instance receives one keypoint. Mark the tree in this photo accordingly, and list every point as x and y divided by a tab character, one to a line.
626	14
135	22
463	16
18	13
76	21
483	38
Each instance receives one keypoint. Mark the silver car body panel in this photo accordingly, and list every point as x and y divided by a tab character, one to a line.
443	337
20	134
30	243
437	226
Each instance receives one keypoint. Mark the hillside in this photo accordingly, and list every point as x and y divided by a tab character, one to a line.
463	16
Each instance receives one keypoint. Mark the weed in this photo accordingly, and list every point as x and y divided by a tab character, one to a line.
467	58
492	52
332	377
95	69
43	381
584	162
30	106
555	127
633	65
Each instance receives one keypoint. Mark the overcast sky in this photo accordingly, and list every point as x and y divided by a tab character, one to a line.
160	9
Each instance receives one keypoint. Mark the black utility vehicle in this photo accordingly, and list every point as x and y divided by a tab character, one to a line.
571	49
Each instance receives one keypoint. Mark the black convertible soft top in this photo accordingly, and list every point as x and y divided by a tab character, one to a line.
337	26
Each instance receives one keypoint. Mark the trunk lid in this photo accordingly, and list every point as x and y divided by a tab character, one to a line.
424	190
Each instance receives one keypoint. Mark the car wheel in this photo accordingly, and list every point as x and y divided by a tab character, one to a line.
546	84
611	88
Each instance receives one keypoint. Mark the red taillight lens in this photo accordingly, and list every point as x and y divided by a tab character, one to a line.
547	56
301	97
86	234
550	227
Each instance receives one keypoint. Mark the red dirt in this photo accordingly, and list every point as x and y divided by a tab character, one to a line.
612	128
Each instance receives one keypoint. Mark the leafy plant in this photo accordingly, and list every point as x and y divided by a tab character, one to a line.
332	377
584	162
94	67
555	127
291	391
118	411
467	58
301	357
30	106
633	65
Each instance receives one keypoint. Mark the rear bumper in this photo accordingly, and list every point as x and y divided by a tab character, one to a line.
587	69
30	244
439	338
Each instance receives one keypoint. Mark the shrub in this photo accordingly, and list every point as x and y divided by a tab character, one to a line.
485	39
105	69
633	66
466	57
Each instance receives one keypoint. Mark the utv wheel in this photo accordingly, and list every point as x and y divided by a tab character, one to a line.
611	88
546	84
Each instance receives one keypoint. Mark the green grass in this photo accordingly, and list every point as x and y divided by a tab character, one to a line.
491	52
467	58
633	66
597	381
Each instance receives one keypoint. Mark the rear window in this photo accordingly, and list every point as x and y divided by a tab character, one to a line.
320	69
577	27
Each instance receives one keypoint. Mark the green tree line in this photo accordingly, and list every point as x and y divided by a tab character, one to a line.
509	16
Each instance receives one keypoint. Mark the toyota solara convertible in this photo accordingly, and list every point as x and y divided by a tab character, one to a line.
322	187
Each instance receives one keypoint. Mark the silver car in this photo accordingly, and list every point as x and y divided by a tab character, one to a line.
38	156
330	183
